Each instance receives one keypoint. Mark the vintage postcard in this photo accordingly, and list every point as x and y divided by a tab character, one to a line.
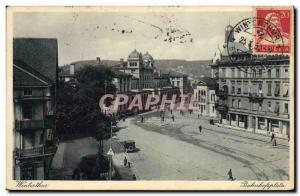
150	98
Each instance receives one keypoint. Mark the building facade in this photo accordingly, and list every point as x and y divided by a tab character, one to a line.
179	80
34	88
205	97
253	97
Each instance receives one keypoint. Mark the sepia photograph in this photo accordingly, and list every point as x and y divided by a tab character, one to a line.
150	98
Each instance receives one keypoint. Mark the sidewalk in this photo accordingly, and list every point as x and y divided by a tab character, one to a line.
204	121
124	173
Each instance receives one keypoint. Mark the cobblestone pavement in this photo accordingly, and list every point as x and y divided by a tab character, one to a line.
178	151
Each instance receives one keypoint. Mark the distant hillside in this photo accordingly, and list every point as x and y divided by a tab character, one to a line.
195	69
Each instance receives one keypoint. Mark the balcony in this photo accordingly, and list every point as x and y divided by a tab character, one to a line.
35	152
34	124
256	97
221	107
222	94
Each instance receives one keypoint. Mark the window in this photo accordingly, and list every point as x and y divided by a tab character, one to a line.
239	90
259	106
286	108
269	89
232	72
178	83
238	73
232	89
276	107
269	106
260	73
246	73
286	90
277	73
253	106
27	112
260	89
286	70
233	103
213	108
224	72
245	88
253	73
27	92
277	90
269	73
212	97
42	138
239	103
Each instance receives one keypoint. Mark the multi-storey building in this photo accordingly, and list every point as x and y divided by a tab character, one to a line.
205	97
34	87
141	67
254	96
179	80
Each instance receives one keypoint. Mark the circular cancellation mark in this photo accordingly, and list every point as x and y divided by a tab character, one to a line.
244	42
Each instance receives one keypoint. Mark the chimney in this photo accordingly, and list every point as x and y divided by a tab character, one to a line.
122	62
98	60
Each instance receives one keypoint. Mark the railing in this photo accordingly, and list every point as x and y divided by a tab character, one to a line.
34	124
256	97
33	152
221	107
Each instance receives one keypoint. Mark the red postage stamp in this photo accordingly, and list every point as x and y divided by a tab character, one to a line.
274	36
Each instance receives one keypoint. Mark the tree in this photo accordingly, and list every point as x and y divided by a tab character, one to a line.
78	111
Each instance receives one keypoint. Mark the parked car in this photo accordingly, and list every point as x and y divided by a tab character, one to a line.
129	145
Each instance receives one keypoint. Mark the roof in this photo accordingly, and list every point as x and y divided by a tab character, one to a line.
24	75
147	57
210	82
119	73
239	47
39	53
176	74
135	54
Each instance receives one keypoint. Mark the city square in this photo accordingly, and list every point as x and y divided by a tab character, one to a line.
174	103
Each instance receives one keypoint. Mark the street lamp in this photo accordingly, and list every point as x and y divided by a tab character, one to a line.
110	152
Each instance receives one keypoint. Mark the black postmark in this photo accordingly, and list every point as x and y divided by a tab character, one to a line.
243	42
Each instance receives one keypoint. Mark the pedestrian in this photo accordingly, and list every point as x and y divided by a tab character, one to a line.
125	161
230	177
200	128
133	177
171	112
129	164
274	143
173	118
163	118
272	136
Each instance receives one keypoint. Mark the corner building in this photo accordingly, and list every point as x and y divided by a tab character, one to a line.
254	97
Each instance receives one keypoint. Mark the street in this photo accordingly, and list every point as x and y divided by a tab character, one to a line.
178	151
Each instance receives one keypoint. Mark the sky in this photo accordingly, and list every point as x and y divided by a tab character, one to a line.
113	35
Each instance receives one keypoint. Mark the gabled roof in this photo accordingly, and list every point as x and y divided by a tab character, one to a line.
24	75
209	82
39	53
